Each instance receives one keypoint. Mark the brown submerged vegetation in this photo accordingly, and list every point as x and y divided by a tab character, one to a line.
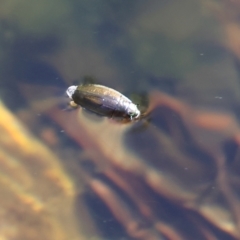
173	180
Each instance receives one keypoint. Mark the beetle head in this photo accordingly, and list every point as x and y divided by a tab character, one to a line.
133	111
70	91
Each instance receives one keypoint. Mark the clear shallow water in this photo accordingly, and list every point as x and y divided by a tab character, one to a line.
172	175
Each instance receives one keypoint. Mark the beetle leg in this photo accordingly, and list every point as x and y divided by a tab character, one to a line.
73	104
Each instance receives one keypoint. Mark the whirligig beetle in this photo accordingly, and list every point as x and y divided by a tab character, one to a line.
103	101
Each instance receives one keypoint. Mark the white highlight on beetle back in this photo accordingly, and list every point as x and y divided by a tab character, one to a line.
70	91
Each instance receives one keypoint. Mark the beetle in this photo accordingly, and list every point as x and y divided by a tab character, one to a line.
103	100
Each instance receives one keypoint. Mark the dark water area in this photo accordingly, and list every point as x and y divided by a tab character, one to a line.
172	174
